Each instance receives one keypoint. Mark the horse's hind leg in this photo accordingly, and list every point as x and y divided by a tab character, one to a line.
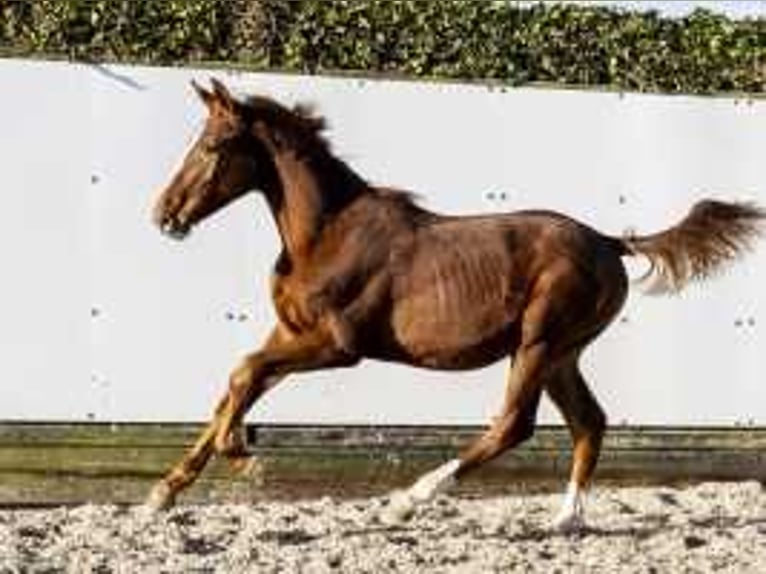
587	424
513	425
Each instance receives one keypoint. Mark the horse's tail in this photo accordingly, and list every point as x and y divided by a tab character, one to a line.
712	234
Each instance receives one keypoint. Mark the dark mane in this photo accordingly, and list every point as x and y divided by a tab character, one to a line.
299	127
406	200
302	128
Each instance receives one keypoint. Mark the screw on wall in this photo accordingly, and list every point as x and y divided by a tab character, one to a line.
94	179
497	196
239	317
745	322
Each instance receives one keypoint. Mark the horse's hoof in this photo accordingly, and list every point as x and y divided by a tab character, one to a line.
568	523
400	509
160	498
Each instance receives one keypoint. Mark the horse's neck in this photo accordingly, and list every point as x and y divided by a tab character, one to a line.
311	191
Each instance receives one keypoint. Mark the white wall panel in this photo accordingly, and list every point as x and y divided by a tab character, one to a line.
45	143
102	315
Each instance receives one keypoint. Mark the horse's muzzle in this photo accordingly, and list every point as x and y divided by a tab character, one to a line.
174	229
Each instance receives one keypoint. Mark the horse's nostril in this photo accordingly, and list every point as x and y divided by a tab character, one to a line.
163	223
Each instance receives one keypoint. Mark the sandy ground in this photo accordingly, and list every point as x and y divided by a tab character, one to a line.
704	528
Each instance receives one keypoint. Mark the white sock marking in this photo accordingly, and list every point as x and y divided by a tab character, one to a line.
570	516
402	503
434	482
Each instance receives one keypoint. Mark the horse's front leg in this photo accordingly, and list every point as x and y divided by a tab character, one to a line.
188	469
183	474
312	350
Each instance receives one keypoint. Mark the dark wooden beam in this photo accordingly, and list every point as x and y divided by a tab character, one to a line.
72	463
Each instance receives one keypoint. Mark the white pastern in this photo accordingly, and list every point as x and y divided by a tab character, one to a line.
436	481
402	504
571	516
160	498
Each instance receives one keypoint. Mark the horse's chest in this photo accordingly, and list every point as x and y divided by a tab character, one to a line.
293	305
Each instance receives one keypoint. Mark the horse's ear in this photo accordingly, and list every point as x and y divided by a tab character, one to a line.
206	96
223	95
306	111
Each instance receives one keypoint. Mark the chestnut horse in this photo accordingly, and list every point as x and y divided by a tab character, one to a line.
366	273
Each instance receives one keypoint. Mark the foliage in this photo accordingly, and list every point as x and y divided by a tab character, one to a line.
153	31
480	39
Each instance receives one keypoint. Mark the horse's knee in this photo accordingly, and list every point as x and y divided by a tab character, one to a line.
244	377
240	378
246	382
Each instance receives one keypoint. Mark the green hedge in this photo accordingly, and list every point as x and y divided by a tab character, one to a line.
481	39
162	31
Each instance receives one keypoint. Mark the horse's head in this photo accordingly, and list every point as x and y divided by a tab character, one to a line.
222	165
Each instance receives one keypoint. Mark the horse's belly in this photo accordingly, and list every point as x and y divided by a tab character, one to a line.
472	339
457	303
